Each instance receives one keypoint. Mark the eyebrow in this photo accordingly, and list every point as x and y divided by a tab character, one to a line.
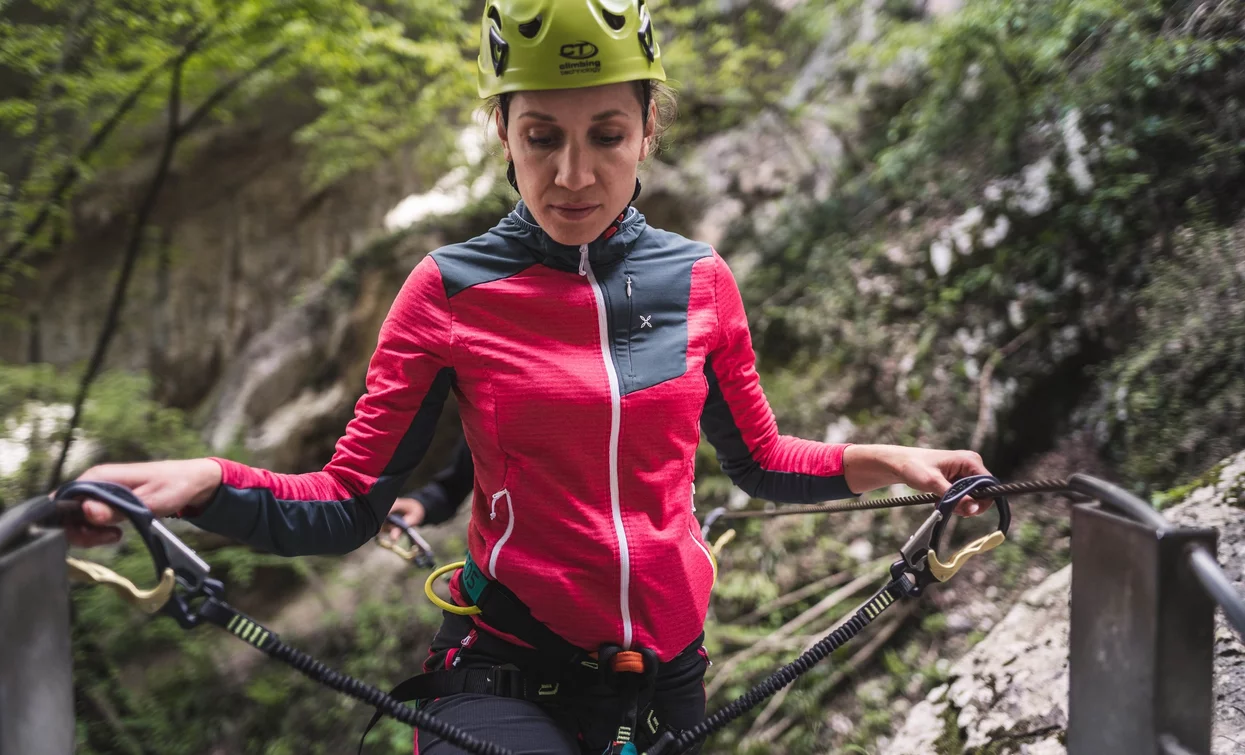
549	118
607	114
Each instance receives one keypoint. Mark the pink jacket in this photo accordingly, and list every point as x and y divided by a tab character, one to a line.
584	378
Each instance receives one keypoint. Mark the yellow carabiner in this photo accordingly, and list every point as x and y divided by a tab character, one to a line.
147	601
407	554
715	551
436	599
942	572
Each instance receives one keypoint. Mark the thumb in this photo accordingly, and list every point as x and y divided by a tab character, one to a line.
99	514
414	514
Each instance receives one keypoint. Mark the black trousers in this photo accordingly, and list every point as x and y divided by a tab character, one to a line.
583	723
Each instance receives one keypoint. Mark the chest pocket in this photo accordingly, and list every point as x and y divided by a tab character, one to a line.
649	310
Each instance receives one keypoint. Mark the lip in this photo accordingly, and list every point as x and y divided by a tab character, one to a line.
575	210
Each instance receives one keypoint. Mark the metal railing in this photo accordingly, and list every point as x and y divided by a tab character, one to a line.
1142	635
36	661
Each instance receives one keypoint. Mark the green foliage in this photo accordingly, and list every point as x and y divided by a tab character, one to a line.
120	421
950	740
1011	561
1176	398
1029	536
904	671
934	623
728	62
1100	128
91	79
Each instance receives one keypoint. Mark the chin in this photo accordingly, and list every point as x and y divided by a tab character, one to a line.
572	236
572	233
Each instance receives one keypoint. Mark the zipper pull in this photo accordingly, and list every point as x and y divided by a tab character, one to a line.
493	511
583	259
628	286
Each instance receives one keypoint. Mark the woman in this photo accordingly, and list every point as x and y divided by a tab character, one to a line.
587	351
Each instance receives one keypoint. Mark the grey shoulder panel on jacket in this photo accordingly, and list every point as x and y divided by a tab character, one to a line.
654	244
483	259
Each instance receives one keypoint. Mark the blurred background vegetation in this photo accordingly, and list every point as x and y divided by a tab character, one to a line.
1011	225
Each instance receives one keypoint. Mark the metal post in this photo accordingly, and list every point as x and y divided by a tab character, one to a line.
36	662
1142	638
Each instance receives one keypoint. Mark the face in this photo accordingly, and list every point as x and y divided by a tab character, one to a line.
575	154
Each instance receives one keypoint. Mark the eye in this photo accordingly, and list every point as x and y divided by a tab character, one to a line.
540	140
610	140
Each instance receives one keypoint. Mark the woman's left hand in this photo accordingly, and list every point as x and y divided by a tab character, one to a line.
932	471
925	469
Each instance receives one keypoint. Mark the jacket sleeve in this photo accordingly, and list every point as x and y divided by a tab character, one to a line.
342	506
740	424
445	494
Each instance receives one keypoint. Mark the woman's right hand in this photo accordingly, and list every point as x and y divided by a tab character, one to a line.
166	487
411	511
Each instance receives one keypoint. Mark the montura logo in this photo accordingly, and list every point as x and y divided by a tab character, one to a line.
578	50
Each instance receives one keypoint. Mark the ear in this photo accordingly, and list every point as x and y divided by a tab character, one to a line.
650	131
501	134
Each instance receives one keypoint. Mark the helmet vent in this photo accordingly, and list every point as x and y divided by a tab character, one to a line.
616	22
646	35
499	49
531	28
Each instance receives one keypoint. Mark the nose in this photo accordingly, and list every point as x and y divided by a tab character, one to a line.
575	169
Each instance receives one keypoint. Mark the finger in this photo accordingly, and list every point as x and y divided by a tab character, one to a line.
90	537
973	506
99	514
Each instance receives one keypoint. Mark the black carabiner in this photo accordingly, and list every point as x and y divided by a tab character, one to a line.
711	519
421	554
166	549
919	556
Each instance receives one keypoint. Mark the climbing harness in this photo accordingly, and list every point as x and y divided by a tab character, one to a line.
420	553
631	672
918	566
190	596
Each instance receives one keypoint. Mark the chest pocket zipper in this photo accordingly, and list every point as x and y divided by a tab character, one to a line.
630	328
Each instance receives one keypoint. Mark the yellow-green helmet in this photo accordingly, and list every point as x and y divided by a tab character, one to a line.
565	44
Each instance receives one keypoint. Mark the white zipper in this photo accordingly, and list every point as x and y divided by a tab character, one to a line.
492	559
624	554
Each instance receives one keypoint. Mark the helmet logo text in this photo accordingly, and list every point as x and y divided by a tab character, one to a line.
578	50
